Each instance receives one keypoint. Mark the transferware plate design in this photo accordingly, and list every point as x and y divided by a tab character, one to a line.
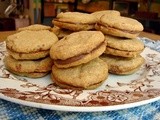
117	92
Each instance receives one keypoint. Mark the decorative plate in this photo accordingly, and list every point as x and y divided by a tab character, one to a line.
117	92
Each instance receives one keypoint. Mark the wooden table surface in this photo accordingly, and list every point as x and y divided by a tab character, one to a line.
3	35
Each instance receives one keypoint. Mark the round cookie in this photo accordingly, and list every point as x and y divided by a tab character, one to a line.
84	76
123	47
21	66
99	14
77	48
30	44
35	27
119	26
122	66
75	21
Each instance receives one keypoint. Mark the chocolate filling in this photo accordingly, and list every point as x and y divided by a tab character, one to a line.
126	31
74	22
77	57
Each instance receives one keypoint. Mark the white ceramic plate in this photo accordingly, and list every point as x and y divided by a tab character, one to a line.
117	92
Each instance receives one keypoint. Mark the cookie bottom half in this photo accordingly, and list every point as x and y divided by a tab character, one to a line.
30	75
85	76
122	66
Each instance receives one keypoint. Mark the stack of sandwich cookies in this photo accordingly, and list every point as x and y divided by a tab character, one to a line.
31	48
123	55
75	56
122	45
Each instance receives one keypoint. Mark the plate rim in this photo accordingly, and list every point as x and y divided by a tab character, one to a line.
78	108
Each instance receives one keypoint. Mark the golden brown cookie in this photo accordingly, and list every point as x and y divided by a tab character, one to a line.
121	65
40	66
77	48
119	26
35	27
84	76
30	44
123	47
75	21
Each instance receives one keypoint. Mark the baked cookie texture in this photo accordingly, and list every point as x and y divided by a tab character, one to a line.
85	76
99	14
40	65
123	47
28	68
30	44
75	21
77	48
119	26
121	65
60	32
35	27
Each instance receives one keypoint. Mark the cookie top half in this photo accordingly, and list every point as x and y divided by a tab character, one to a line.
76	17
123	23
124	44
31	41
35	27
77	43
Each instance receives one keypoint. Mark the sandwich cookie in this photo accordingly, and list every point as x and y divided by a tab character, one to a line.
119	26
27	45
77	48
75	21
34	68
123	47
85	76
121	65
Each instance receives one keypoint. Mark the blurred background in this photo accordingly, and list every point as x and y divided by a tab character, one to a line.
20	13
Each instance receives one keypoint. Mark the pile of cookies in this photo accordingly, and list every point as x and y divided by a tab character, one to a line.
28	51
123	49
76	60
122	53
79	50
